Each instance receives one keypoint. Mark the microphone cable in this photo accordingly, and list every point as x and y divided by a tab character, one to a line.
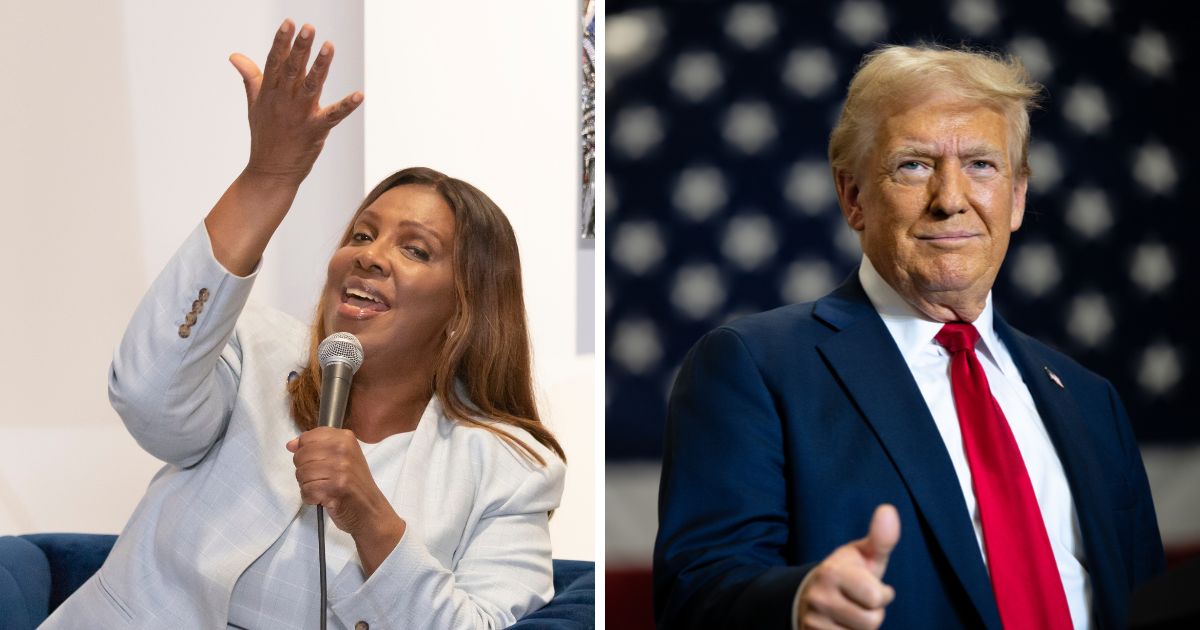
321	555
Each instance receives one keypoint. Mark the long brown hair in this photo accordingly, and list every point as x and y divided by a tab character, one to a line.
488	352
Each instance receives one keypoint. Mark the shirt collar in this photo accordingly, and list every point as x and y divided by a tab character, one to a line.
912	329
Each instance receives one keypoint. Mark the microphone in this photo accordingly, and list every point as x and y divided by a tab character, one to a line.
340	355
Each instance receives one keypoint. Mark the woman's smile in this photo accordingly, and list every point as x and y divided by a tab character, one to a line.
361	301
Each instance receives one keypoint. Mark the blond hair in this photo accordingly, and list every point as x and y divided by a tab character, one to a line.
898	75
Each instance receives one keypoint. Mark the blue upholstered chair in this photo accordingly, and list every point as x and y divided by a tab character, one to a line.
39	571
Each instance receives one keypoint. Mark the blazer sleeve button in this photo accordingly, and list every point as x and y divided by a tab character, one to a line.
184	331
197	306
189	319
362	625
203	295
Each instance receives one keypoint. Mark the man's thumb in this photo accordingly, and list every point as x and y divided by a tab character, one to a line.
881	538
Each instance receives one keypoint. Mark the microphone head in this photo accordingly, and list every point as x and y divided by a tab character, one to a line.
340	347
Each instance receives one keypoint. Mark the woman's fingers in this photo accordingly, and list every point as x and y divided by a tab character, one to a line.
315	472
288	126
286	64
297	60
337	112
316	491
250	75
300	458
280	48
320	69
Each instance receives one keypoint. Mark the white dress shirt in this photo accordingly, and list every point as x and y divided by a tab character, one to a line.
930	365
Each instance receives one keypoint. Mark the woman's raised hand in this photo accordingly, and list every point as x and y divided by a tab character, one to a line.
288	126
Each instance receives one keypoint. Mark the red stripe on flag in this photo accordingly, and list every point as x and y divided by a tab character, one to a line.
1179	555
629	599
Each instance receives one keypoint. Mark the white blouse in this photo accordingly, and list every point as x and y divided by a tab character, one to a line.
281	589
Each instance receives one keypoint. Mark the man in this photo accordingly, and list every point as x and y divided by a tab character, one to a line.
895	453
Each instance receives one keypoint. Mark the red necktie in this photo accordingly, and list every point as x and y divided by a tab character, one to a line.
1025	580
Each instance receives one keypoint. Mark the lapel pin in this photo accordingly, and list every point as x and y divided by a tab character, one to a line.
1054	377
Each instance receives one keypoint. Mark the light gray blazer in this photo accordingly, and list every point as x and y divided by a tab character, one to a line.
209	399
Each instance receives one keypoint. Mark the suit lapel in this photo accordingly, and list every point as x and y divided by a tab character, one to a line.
863	356
414	472
1065	425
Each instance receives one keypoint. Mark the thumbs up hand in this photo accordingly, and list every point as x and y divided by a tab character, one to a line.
846	589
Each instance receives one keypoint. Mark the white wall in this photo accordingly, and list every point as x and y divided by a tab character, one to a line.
123	123
488	92
128	123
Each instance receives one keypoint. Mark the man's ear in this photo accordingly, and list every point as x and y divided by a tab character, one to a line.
848	198
1020	187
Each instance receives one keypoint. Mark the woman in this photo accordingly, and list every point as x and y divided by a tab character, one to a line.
441	483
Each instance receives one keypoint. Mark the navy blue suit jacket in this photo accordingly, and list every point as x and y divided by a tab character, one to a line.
787	428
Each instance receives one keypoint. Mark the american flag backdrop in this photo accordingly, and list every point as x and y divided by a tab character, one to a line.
719	202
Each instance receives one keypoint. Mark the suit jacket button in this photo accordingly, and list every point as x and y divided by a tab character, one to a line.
189	319
203	295
197	306
184	331
362	625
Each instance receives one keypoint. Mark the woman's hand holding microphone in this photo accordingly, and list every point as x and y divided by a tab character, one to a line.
332	471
